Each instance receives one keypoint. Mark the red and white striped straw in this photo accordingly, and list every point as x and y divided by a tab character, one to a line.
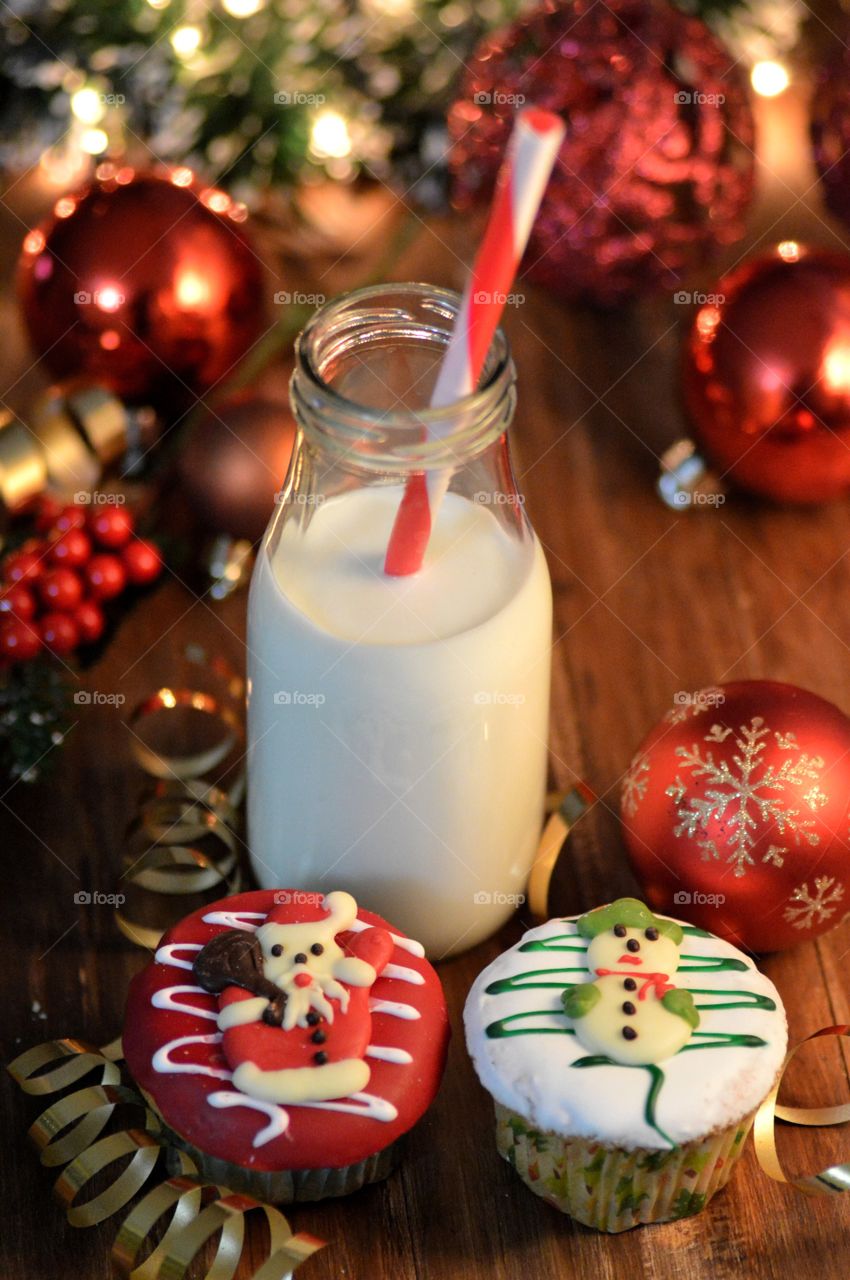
532	150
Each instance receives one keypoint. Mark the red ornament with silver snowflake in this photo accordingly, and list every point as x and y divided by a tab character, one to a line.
735	813
657	166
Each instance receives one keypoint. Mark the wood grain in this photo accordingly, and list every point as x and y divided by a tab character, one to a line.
647	602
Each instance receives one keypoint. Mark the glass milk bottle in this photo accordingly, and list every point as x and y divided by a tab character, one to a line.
397	726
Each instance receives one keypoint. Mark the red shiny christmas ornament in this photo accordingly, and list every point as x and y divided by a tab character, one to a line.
235	461
767	375
105	576
60	589
145	282
59	633
90	622
111	526
19	640
142	561
735	813
71	548
657	166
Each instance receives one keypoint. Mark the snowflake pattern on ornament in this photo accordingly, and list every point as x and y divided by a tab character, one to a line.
740	797
635	781
807	909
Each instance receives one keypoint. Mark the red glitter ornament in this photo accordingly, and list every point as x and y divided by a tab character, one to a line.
657	166
735	813
767	375
144	282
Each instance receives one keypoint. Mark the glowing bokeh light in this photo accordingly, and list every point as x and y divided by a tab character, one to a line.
769	78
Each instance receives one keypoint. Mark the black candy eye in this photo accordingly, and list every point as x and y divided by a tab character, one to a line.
652	934
317	948
620	930
300	958
633	945
277	949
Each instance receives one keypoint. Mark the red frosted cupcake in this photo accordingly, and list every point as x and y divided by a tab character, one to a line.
289	1041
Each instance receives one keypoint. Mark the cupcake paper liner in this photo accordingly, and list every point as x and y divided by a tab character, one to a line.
288	1186
611	1188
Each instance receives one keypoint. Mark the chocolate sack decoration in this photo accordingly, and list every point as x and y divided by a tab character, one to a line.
657	167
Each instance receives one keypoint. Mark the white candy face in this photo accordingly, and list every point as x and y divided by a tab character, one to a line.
289	949
657	954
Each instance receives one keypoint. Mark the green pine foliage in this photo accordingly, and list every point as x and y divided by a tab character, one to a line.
242	104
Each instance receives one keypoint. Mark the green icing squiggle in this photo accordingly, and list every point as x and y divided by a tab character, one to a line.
499	1029
515	983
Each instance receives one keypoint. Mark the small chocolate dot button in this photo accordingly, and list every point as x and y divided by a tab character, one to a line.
652	934
629	1033
320	1058
277	949
300	958
619	930
318	1037
313	1018
317	949
630	984
631	945
628	1008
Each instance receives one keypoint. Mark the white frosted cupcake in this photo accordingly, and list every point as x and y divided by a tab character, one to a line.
627	1055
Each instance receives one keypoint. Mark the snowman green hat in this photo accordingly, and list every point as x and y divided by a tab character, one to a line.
633	914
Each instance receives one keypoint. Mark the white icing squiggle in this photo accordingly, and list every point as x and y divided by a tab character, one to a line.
162	1062
402	973
395	1009
235	919
359	1104
278	1117
407	944
388	1053
164	999
165	955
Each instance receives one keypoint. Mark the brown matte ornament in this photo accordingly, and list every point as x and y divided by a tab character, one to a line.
767	375
235	461
143	281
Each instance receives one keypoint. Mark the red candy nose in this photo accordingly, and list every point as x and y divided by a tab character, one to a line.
303	980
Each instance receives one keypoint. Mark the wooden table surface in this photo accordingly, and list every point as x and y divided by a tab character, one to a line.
647	602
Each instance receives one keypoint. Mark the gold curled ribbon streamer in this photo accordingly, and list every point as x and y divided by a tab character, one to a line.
160	765
69	1132
566	810
830	1181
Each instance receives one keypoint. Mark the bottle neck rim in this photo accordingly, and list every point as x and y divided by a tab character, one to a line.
392	439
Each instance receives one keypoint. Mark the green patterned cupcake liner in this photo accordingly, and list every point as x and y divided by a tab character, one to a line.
611	1188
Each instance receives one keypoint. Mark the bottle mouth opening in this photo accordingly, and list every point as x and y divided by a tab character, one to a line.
365	366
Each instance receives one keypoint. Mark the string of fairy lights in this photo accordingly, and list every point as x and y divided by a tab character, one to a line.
273	91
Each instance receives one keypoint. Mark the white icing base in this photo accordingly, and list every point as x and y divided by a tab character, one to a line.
704	1090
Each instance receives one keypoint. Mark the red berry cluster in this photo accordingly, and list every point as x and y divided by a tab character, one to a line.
52	588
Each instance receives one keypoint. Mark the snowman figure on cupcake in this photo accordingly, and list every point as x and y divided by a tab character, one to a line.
632	1012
